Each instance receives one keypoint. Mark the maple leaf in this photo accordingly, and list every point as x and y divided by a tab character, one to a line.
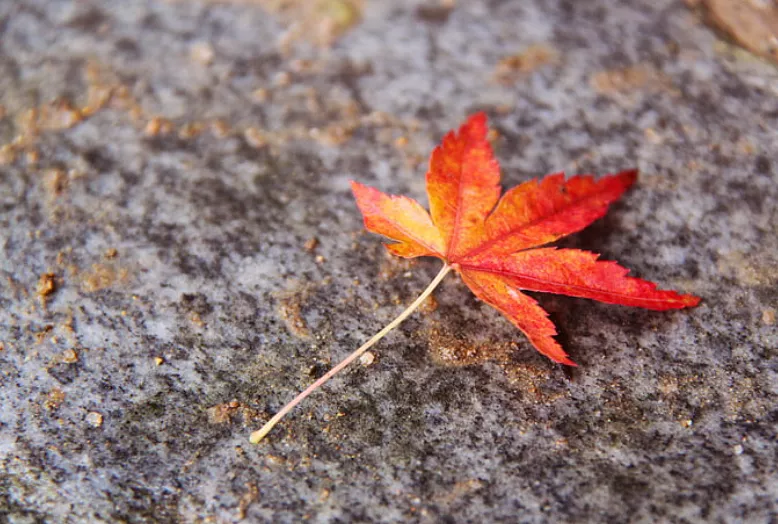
498	244
495	244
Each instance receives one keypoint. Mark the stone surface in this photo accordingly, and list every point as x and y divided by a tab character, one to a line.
167	165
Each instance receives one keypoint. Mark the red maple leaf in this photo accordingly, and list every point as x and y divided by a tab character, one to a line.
497	244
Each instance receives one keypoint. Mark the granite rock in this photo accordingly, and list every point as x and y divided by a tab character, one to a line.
181	254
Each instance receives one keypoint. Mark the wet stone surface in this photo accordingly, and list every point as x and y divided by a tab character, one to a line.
166	165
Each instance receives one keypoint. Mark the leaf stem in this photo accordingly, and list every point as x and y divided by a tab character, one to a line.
258	435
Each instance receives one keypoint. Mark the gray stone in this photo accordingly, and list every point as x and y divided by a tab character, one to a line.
187	302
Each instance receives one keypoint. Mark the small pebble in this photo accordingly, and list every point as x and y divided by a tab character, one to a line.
202	53
94	419
70	356
254	137
47	284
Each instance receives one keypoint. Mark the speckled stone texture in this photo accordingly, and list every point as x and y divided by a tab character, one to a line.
168	164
